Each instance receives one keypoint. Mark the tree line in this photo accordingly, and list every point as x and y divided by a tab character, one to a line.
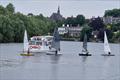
13	24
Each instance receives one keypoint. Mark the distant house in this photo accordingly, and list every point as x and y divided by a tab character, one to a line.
73	31
57	16
111	20
62	30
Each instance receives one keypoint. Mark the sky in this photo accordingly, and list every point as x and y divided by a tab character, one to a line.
68	8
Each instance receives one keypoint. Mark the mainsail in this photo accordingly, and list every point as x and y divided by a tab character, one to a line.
26	44
85	44
56	40
106	45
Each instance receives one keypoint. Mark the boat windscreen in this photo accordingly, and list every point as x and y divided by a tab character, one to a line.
32	43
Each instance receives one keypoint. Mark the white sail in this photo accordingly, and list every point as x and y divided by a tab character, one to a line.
26	44
106	45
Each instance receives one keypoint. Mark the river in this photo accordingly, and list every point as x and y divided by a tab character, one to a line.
68	66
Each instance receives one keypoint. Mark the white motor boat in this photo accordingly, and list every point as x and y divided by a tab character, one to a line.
40	44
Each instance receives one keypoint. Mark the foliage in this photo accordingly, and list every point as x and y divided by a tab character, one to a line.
113	12
80	19
74	21
10	8
86	30
12	25
96	23
2	10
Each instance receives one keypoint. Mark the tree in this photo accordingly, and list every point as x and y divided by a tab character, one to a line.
80	19
113	12
86	30
2	10
97	23
70	21
10	8
6	29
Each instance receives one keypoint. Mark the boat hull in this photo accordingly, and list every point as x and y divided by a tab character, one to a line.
81	54
53	52
107	54
40	50
25	54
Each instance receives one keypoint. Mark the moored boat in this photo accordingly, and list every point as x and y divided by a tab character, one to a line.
40	44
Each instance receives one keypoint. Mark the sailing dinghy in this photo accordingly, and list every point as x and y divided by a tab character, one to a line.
106	46
55	46
84	50
26	46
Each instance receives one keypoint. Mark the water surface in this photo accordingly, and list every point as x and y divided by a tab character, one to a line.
68	66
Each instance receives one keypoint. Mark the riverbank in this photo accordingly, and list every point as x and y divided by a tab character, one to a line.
91	40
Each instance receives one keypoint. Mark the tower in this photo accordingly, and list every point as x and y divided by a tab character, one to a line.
58	10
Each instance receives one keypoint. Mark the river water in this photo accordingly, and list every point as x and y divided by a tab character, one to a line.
68	66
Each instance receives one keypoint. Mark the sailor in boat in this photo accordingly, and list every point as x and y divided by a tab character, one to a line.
109	53
28	52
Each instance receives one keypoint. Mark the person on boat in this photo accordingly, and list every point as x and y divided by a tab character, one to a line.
109	53
56	52
28	52
50	47
59	49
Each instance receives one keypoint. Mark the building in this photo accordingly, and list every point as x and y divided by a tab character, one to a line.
57	16
63	30
73	31
111	20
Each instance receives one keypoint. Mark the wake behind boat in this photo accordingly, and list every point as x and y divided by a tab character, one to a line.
84	50
106	47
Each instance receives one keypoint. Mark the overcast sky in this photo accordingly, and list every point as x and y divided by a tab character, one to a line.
88	8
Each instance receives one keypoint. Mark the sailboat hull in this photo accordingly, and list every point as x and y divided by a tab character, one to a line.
81	54
25	54
107	54
54	53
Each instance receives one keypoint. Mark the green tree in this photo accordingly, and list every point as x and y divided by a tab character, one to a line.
96	23
2	10
113	12
6	29
10	8
70	21
80	19
86	30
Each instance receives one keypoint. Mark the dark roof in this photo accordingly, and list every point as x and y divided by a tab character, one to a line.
56	17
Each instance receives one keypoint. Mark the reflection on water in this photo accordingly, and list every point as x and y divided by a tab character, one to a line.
68	66
84	59
54	67
55	58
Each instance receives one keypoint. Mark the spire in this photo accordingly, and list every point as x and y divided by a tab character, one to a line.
58	10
